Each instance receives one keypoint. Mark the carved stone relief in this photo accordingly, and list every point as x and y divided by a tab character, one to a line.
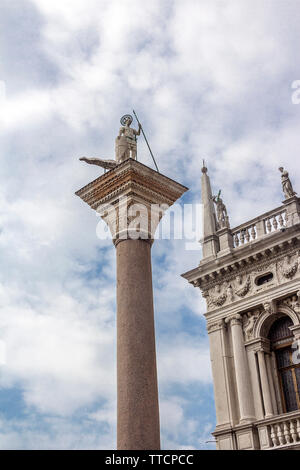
243	284
217	325
293	302
287	268
249	321
218	295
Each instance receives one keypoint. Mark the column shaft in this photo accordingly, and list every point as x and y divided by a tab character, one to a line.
254	373
265	384
242	373
271	382
138	411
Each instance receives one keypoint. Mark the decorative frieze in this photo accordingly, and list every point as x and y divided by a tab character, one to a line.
215	326
246	281
249	321
293	302
289	266
244	287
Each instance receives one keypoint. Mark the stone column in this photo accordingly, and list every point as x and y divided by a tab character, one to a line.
131	199
138	415
242	373
265	384
271	382
257	398
220	372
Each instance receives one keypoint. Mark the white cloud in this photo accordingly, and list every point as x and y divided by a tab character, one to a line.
184	359
208	79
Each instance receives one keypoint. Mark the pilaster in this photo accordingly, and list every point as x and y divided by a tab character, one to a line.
292	211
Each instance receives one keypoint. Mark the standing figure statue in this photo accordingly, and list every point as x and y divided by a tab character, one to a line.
126	146
126	140
287	187
222	217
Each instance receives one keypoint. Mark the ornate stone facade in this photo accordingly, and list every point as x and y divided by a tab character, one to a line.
236	282
250	278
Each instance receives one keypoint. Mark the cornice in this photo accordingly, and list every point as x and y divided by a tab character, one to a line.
245	258
131	175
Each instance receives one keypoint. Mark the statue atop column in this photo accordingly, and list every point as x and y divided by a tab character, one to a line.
126	140
222	216
125	147
287	187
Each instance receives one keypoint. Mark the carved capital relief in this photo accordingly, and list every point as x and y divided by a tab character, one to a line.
269	306
234	319
262	346
215	326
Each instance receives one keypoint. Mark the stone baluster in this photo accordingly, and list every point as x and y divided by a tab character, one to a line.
298	428
280	220
286	218
268	225
280	435
236	240
286	432
274	437
242	237
275	223
253	232
293	431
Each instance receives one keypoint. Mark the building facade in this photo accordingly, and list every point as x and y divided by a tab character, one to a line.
250	279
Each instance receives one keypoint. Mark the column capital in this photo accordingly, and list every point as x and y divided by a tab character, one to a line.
234	319
131	198
260	344
296	331
215	325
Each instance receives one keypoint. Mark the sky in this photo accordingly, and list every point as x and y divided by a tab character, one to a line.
208	79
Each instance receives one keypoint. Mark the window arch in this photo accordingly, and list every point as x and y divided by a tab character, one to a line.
281	339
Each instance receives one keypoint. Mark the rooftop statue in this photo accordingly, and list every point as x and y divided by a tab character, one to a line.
286	184
222	216
125	148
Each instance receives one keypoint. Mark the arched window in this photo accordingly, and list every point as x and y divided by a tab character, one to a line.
281	339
